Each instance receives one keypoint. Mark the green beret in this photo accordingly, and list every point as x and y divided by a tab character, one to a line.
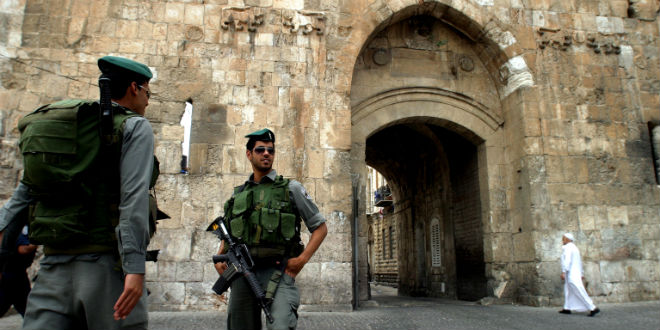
263	134
110	64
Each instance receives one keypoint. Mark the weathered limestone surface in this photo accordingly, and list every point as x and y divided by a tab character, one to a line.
556	99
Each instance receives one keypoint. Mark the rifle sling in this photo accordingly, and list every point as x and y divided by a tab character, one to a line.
274	280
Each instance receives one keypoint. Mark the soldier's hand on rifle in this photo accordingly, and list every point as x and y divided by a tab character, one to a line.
221	266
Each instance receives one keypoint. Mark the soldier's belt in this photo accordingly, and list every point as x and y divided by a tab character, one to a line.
79	249
259	252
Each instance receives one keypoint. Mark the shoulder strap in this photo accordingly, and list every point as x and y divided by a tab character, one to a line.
119	116
239	189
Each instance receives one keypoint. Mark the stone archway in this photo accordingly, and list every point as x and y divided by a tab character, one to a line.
432	167
421	79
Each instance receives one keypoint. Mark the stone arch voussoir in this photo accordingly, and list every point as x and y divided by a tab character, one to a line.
452	110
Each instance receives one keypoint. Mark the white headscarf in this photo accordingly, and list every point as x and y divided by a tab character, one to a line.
570	237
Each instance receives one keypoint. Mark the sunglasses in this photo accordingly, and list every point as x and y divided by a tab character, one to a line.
260	150
146	90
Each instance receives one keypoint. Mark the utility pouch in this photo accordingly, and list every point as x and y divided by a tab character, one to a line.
242	202
270	219
253	223
49	149
58	225
288	225
238	228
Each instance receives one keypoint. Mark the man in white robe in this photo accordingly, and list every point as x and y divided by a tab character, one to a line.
575	296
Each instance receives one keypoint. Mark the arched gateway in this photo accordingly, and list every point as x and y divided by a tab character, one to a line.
430	93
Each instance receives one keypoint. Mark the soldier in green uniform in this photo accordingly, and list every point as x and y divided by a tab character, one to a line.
265	213
92	274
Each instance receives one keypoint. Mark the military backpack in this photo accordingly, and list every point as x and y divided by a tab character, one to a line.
73	175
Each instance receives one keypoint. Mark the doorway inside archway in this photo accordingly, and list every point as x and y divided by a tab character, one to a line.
430	232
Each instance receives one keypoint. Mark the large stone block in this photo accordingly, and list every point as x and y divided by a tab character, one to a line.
166	271
336	278
175	244
171	132
590	244
206	245
151	272
643	291
314	161
524	249
617	215
618	292
193	14
169	156
189	271
336	247
586	217
642	270
613	271
198	158
502	247
166	293
200	295
327	283
548	245
174	12
621	243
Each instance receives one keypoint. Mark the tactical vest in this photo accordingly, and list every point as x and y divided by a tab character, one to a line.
73	177
263	217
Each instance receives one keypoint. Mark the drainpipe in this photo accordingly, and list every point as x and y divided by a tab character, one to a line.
356	273
655	136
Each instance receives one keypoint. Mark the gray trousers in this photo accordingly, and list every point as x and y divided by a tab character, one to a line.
79	292
244	313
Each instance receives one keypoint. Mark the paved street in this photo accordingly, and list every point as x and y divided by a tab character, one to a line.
391	312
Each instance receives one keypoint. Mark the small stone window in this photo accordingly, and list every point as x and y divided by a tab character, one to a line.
382	245
655	146
391	243
436	243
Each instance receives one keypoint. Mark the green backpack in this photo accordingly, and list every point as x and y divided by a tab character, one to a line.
72	175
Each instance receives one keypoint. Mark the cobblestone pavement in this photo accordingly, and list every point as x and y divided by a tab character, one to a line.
391	312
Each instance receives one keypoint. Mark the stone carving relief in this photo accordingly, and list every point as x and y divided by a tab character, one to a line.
418	32
466	63
606	45
242	18
194	33
563	40
381	56
305	21
645	10
551	38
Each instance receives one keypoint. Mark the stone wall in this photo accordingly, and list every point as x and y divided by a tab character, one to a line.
384	250
468	231
246	66
557	104
577	86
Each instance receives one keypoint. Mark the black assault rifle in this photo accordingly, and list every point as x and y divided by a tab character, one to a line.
239	262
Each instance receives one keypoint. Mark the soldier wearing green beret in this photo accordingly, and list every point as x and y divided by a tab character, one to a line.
95	225
265	213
